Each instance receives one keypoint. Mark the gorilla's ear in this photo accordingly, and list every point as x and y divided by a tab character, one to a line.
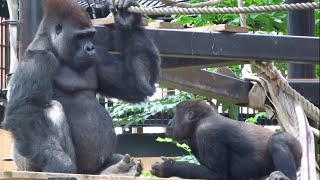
191	115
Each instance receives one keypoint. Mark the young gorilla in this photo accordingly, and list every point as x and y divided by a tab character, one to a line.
228	149
52	111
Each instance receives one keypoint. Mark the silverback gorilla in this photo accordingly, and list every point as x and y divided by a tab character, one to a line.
52	111
228	149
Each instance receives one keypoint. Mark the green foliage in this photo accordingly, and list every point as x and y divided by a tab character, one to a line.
189	158
232	109
254	119
134	113
146	174
236	69
268	22
282	67
317	19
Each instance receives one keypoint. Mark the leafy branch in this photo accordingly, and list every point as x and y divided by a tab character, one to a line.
254	119
128	114
190	158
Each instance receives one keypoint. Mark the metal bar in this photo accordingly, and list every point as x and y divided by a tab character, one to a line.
187	63
301	23
226	46
2	51
8	56
227	88
207	84
307	88
30	15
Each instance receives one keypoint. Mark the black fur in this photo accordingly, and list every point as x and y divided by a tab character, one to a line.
55	119
228	149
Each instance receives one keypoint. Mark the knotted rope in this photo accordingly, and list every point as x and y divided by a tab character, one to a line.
229	10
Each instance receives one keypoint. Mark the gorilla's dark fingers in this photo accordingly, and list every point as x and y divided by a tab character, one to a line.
139	168
140	165
113	10
129	3
126	158
121	4
116	4
165	158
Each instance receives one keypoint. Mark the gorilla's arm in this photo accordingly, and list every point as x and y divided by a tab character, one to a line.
213	167
29	99
172	168
132	77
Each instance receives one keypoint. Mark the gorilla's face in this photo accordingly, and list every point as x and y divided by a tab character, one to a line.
181	125
187	114
74	45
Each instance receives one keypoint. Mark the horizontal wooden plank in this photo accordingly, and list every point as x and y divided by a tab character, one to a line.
5	151
23	175
165	25
110	21
220	28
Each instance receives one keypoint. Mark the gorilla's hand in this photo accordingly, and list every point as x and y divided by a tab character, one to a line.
124	18
162	169
122	4
125	167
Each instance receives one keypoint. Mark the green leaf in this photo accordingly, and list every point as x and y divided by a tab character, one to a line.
234	112
159	139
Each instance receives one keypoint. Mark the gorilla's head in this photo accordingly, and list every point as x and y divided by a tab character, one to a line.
186	116
70	33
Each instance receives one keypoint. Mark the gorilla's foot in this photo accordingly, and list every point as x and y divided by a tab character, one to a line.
277	175
125	167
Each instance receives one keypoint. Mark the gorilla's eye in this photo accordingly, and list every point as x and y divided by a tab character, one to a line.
58	29
190	114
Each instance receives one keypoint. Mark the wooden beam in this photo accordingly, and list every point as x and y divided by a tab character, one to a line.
220	28
165	25
208	84
5	151
110	21
24	175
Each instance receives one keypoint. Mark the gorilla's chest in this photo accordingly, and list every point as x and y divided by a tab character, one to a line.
70	81
91	129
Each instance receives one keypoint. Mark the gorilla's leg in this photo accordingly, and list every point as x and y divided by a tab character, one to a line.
60	129
122	165
22	163
283	149
54	153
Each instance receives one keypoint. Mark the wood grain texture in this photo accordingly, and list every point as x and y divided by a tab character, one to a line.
220	28
110	21
5	151
165	25
23	175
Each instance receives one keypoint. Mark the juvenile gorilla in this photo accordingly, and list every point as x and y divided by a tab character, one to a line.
55	119
228	149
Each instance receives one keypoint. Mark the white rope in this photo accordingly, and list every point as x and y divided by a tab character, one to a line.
229	10
311	110
190	5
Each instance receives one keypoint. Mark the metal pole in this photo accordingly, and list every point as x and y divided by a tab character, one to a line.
30	16
301	23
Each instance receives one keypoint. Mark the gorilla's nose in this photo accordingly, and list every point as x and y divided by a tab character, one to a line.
89	48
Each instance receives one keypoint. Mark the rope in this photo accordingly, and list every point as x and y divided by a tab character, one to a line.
230	10
311	110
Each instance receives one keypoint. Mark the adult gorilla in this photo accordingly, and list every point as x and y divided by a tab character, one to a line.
53	114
